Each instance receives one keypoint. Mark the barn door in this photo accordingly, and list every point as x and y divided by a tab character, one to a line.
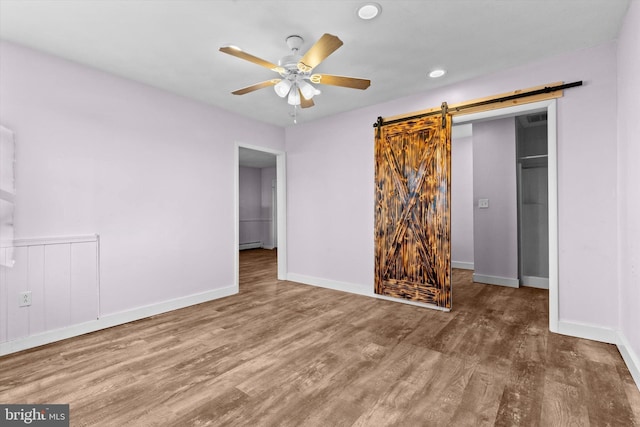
412	210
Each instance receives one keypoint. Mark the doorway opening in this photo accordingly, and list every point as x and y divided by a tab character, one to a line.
260	204
551	252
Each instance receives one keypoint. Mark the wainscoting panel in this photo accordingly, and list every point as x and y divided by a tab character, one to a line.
57	289
16	278
84	288
35	283
3	304
62	276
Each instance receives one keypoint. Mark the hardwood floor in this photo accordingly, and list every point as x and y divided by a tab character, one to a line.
286	354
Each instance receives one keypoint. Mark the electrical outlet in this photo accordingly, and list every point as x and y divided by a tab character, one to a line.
24	299
483	203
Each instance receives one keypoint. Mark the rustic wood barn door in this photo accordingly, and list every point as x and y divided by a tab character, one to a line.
412	210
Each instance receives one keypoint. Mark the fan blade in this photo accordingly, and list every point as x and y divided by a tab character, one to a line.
255	87
325	46
351	82
239	53
304	102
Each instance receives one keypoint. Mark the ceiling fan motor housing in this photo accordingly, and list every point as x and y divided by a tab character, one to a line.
294	42
290	62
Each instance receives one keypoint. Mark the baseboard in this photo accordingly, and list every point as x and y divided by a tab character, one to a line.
252	245
590	332
496	280
354	289
329	284
409	302
535	282
462	265
111	320
630	357
597	333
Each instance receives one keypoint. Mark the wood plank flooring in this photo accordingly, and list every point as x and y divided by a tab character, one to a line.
286	354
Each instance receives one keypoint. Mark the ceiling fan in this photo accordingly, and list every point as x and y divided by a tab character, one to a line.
295	70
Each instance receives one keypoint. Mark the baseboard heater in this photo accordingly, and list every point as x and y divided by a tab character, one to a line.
250	245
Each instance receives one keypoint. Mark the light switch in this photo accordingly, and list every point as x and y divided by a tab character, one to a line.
483	203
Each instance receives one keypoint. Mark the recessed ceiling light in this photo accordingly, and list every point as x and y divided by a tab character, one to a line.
369	11
437	73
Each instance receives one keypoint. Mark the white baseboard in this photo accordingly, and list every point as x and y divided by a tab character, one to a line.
409	302
590	332
610	336
110	320
252	245
354	289
535	282
462	265
630	357
330	284
496	280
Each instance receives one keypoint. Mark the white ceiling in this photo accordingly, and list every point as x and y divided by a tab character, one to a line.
173	44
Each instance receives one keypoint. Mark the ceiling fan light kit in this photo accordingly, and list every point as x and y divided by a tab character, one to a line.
295	70
293	98
282	87
306	89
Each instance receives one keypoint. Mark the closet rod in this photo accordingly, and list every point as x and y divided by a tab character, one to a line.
547	89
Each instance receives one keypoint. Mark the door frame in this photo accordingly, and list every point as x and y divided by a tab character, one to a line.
550	106
274	212
281	190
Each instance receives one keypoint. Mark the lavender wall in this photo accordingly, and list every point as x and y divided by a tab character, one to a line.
495	230
462	202
149	171
267	176
629	179
250	197
330	182
330	199
249	205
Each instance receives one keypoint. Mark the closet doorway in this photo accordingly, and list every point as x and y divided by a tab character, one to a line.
550	251
533	195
